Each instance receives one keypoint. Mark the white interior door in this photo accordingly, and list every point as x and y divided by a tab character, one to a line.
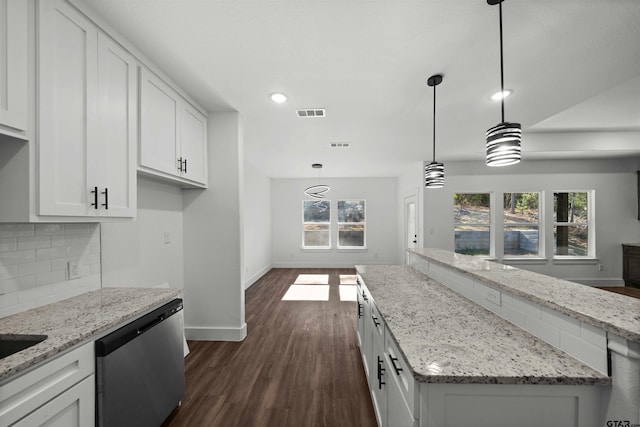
410	222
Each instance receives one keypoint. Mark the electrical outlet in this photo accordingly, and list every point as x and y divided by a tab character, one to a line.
600	267
73	270
493	296
167	237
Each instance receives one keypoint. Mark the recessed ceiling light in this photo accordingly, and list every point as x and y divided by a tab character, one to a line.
501	94
278	98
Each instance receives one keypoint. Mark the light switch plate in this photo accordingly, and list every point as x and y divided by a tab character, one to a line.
73	270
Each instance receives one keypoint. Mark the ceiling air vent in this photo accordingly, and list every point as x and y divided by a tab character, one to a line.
340	145
311	112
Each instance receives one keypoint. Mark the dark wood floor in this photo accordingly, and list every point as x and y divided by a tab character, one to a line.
299	366
624	290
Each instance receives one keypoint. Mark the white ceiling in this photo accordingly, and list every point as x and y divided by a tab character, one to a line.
574	66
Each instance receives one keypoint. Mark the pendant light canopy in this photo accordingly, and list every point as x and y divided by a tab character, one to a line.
503	140
434	171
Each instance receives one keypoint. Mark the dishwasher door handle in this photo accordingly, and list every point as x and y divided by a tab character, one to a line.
151	324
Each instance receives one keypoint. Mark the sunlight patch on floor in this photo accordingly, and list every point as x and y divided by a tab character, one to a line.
348	293
312	279
347	279
307	293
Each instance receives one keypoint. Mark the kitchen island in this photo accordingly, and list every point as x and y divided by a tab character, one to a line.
470	365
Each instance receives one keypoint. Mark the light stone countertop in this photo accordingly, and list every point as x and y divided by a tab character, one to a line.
446	338
612	312
75	320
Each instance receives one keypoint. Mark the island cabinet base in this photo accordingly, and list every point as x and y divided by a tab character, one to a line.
506	405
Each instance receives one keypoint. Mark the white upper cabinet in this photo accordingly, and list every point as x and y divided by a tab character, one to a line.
13	67
86	118
173	133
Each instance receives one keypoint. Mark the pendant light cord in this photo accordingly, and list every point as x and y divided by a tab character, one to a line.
434	123
501	63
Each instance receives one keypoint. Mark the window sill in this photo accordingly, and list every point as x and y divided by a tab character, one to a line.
352	249
575	260
529	260
323	249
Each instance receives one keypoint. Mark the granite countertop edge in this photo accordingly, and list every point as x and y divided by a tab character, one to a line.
559	306
43	322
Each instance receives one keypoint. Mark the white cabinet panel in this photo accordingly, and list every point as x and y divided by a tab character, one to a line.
86	118
67	107
158	124
13	67
114	167
193	143
73	408
173	133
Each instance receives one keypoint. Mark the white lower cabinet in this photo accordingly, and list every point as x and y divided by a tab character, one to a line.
73	408
59	393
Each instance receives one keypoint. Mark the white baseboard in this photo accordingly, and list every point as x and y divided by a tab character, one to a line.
320	264
206	333
255	277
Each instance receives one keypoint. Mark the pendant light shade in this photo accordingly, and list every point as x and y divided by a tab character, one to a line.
503	140
434	171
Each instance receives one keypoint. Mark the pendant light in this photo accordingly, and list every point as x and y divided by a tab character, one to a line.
434	171
317	191
503	140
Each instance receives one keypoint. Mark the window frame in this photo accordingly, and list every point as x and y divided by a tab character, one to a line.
339	223
329	231
540	224
591	232
490	224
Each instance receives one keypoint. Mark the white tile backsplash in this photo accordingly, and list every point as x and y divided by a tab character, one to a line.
33	263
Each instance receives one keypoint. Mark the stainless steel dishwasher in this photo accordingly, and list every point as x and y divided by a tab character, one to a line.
140	370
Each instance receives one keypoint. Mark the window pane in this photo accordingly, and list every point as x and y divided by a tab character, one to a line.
570	207
471	208
521	208
350	210
572	240
521	240
351	235
472	240
316	235
317	211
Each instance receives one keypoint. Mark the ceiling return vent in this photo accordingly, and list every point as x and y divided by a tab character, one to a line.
340	145
311	112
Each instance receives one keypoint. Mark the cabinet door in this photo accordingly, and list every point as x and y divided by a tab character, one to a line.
158	124
114	166
193	143
13	66
398	414
379	382
73	408
66	108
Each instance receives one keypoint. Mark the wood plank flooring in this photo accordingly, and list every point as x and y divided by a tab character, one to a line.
299	366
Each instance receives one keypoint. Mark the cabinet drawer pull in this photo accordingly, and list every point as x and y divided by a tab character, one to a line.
180	164
359	310
375	320
393	362
106	198
380	373
364	296
95	197
185	166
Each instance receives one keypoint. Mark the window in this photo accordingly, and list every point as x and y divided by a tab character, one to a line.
521	224
316	224
351	224
572	229
472	223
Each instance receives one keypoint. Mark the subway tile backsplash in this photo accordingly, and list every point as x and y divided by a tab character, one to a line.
33	263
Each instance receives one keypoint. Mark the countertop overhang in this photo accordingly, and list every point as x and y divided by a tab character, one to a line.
614	313
75	320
